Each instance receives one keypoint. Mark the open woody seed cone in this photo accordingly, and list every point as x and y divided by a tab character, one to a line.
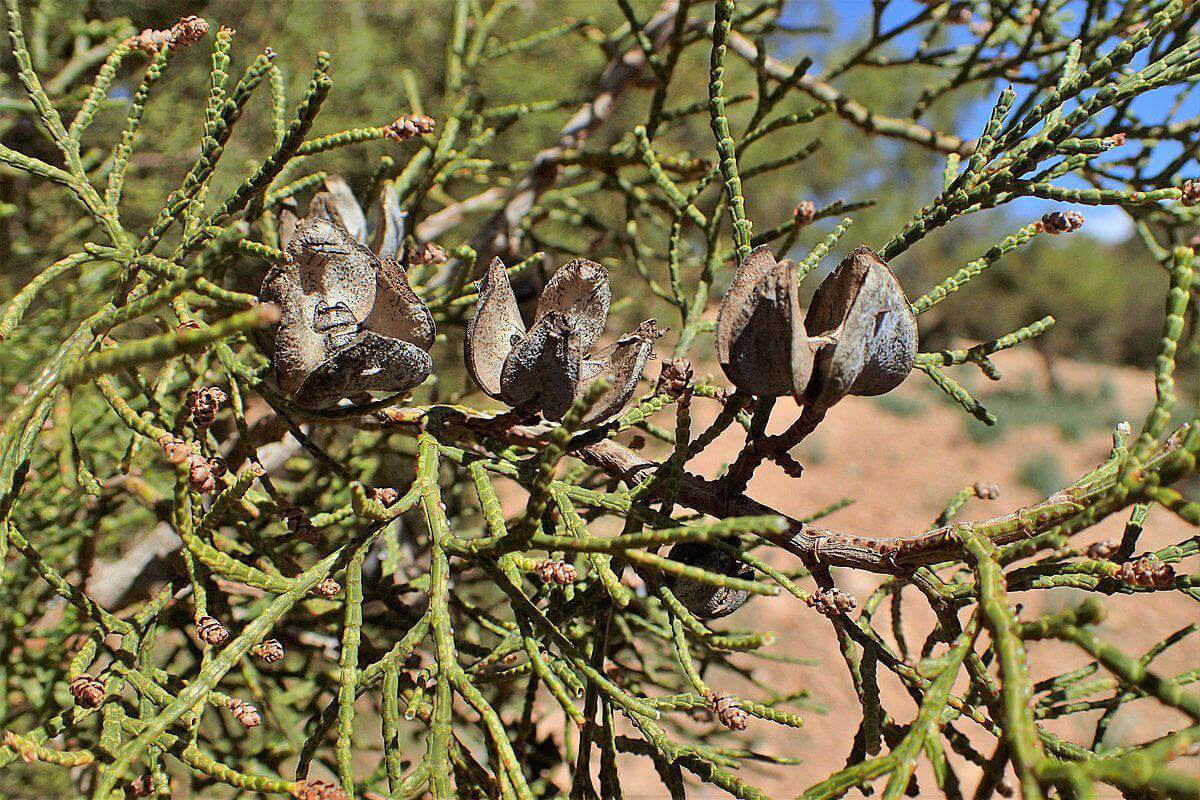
551	365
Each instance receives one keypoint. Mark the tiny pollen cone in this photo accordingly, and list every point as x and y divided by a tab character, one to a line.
87	690
1057	222
244	712
408	127
318	790
832	602
555	571
327	588
728	711
183	33
210	631
269	651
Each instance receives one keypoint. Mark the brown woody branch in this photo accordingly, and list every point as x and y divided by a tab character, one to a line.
1070	510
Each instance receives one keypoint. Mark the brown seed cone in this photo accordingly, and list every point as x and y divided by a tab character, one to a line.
726	707
269	651
761	340
210	631
555	571
832	602
704	599
244	712
318	790
861	309
87	690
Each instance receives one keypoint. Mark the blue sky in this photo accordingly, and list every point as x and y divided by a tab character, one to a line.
851	20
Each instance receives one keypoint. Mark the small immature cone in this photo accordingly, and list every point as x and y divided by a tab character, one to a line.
385	495
203	473
318	790
832	602
299	524
553	570
210	631
190	30
726	707
184	33
269	651
704	599
244	712
87	690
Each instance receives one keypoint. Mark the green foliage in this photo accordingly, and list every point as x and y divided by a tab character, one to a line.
409	594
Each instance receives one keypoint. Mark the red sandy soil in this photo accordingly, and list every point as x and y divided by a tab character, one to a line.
901	469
